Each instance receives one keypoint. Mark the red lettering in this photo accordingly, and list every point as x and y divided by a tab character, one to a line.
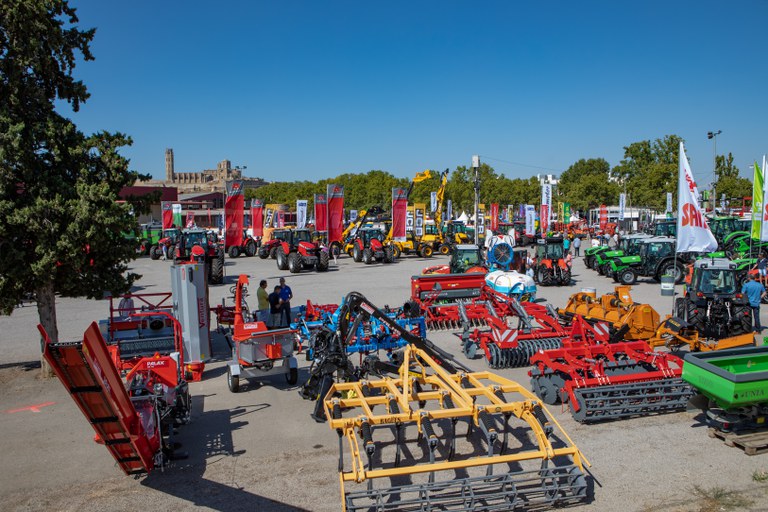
692	216
765	213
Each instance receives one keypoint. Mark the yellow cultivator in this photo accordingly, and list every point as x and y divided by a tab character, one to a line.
405	453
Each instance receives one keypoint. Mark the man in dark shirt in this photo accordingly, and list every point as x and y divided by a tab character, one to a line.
286	294
755	292
275	308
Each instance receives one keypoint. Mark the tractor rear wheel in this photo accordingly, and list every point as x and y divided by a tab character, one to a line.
273	253
565	280
389	255
282	259
294	263
627	276
695	317
217	270
680	308
426	251
367	256
250	248
674	269
357	254
323	261
234	251
155	252
743	315
444	249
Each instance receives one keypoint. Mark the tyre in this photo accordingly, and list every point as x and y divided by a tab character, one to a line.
217	271
389	255
600	269
695	317
273	253
282	259
294	263
250	249
357	254
323	261
396	251
426	252
565	280
627	276
292	377
743	324
171	252
155	252
680	308
263	253
444	249
674	269
367	256
234	251
233	381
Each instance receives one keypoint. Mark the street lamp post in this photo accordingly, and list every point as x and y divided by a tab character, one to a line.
713	136
476	166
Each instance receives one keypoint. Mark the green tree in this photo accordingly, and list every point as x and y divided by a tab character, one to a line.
728	181
60	222
586	184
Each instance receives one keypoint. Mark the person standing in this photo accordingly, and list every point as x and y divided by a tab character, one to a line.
275	308
286	294
126	307
262	315
576	246
566	243
755	292
762	268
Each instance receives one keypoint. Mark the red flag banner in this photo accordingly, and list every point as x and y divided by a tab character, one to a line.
399	213
233	213
603	216
335	196
257	217
321	213
280	218
190	222
494	217
167	215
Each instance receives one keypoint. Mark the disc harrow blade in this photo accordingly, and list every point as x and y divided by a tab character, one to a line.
520	355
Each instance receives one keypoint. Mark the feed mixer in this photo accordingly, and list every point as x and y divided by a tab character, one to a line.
601	380
433	436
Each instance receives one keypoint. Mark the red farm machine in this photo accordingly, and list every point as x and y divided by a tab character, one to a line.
298	251
246	246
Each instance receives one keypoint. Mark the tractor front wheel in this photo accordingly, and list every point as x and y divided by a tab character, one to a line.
389	255
357	254
155	252
273	253
250	249
294	263
282	259
217	271
627	276
323	261
234	251
367	256
426	252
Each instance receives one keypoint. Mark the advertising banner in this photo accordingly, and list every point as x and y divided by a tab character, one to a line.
167	215
352	215
321	213
190	222
280	219
567	213
449	210
764	228
399	213
409	219
301	213
603	216
257	217
480	225
177	215
693	232
622	205
433	202
669	203
546	207
418	219
335	195
757	202
494	217
233	213
530	220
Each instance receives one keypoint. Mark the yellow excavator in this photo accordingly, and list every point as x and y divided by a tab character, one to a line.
412	244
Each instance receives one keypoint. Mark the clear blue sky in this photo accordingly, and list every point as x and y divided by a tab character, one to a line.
299	90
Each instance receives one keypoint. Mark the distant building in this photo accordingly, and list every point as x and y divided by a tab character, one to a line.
547	179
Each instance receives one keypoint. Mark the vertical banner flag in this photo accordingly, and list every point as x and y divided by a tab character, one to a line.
757	202
167	215
449	210
335	195
546	204
257	217
567	213
764	230
177	215
494	217
622	205
418	219
530	220
269	217
480	224
190	223
399	213
693	233
603	216
321	213
280	218
669	203
233	212
409	216
433	202
301	213
352	215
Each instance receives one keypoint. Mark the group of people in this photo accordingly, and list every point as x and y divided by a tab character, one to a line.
274	308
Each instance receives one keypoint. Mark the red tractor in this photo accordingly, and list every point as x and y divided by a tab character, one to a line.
367	247
198	244
169	239
297	250
268	248
550	267
247	246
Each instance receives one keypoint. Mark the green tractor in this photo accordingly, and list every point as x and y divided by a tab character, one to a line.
667	227
628	246
655	257
590	254
149	235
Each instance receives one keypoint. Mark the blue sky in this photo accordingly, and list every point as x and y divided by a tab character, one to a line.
299	90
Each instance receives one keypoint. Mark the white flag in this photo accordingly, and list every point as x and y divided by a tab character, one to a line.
693	232
764	229
301	213
669	203
530	220
622	205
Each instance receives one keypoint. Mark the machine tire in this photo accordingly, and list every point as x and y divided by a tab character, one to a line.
367	256
263	253
357	254
396	252
697	320
250	249
294	263
680	308
426	252
217	271
674	268
444	249
155	252
233	381
234	251
292	377
389	255
323	261
744	316
273	253
566	279
593	264
627	276
282	259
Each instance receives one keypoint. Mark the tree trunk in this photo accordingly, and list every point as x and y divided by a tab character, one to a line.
46	311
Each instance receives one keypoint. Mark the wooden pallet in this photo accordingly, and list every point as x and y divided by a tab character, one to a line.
753	443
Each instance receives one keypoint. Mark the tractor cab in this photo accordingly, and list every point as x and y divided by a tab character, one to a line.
654	250
466	257
170	236
549	249
368	247
550	267
189	240
664	228
714	279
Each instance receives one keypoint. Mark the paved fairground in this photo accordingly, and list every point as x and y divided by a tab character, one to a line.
259	450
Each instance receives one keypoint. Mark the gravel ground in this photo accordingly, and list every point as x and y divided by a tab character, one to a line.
259	449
